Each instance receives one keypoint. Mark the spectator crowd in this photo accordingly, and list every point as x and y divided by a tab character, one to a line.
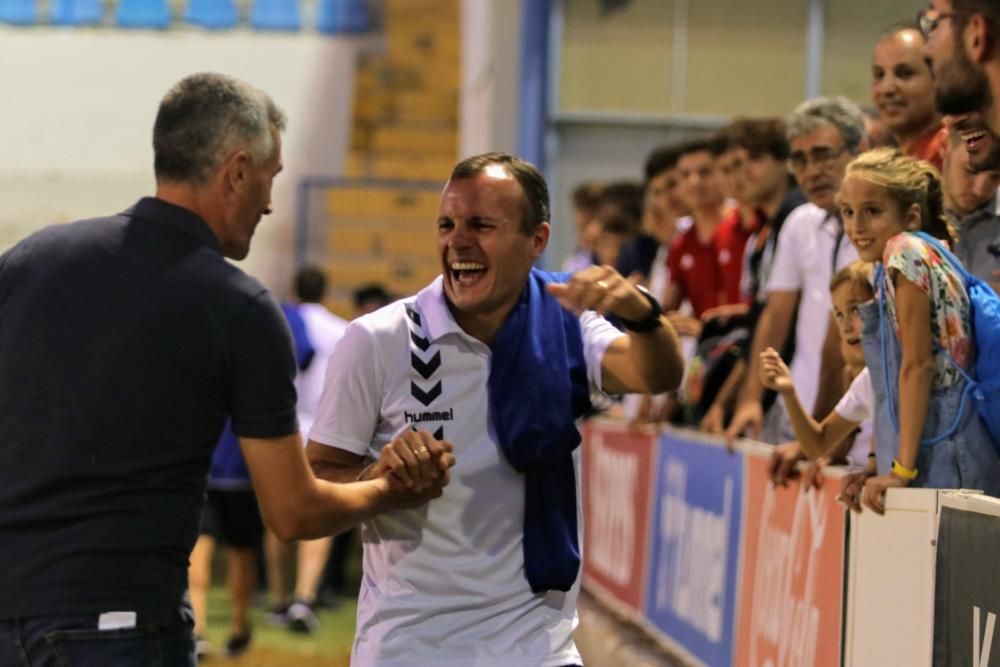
820	269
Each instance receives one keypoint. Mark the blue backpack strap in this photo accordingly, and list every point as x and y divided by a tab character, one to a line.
970	385
967	280
944	252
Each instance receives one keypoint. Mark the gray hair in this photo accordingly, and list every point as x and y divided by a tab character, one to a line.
206	117
837	111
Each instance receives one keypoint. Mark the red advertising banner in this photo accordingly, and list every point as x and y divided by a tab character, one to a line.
792	581
618	465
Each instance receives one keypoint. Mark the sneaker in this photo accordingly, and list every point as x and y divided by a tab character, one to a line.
301	618
238	644
202	647
278	615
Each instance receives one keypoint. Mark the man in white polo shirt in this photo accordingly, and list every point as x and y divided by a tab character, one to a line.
498	359
825	134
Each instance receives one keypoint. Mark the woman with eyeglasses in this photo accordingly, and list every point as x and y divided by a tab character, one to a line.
903	93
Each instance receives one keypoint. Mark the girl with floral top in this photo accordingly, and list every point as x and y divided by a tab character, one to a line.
915	333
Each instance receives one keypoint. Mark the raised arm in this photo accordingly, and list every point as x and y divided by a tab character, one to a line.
815	438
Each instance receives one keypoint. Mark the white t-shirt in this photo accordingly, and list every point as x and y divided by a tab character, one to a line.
804	262
858	405
443	584
324	330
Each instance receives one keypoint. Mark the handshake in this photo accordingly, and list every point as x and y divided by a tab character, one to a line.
416	465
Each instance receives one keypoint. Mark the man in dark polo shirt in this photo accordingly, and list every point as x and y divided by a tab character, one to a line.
125	342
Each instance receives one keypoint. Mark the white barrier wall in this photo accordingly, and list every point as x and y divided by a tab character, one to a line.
890	606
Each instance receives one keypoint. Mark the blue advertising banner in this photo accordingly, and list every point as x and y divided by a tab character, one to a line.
697	510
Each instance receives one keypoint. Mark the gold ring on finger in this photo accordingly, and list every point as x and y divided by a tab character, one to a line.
602	284
422	450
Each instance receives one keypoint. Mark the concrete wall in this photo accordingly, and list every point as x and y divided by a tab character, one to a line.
746	57
78	110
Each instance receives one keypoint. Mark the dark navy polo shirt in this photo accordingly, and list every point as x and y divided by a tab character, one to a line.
125	342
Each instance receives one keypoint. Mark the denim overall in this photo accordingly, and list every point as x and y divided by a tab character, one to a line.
965	459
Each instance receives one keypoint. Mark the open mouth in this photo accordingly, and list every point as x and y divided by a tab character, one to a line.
974	139
854	342
862	244
972	131
467	273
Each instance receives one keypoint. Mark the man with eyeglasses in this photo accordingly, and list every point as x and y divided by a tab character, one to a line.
825	134
962	48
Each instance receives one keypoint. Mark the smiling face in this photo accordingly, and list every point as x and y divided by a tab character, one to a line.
846	297
902	85
486	255
871	216
966	188
981	145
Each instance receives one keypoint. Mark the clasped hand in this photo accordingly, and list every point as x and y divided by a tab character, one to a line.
417	466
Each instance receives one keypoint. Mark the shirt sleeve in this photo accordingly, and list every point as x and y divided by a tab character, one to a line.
858	403
349	407
911	258
785	275
262	368
598	333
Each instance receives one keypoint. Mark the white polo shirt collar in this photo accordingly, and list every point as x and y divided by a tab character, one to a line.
436	318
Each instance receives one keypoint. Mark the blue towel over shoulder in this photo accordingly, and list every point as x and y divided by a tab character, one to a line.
538	388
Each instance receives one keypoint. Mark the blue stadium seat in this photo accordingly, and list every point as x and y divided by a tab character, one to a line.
275	15
76	12
215	14
18	12
143	14
342	16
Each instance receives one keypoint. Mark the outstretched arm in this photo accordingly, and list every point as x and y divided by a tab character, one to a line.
639	362
296	505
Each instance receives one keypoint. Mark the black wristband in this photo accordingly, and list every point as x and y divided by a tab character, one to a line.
649	323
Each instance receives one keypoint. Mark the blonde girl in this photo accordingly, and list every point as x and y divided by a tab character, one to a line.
916	333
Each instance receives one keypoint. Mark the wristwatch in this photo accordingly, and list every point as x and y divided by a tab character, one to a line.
649	323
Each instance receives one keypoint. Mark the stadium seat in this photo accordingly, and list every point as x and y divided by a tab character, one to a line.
18	12
275	15
76	12
215	14
342	16
143	14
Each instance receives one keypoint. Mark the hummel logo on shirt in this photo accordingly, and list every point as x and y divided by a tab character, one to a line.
429	416
425	369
